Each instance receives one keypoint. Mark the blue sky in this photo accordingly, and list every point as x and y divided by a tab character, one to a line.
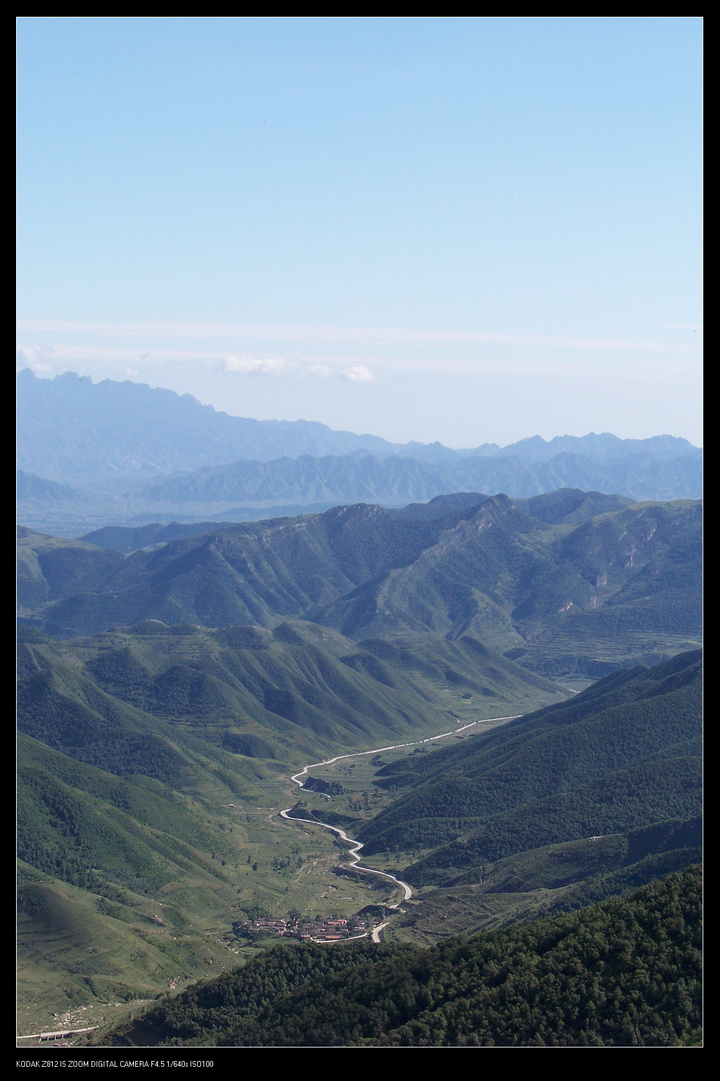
471	230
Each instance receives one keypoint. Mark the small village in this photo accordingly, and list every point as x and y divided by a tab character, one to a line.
317	930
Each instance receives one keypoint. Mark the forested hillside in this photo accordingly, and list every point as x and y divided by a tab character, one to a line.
623	754
625	973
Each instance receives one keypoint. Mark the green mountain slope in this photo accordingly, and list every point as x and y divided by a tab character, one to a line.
622	973
151	760
559	598
622	756
560	877
150	699
566	599
120	879
84	825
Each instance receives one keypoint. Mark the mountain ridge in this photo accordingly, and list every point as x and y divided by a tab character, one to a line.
98	455
613	587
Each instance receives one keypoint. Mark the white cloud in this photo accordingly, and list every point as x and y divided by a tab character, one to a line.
35	357
249	365
359	374
258	365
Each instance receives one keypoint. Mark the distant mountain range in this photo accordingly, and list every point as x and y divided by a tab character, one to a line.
71	429
116	453
395	480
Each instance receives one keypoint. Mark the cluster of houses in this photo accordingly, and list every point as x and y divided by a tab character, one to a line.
317	930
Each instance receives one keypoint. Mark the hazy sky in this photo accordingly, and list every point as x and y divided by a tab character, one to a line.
471	230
